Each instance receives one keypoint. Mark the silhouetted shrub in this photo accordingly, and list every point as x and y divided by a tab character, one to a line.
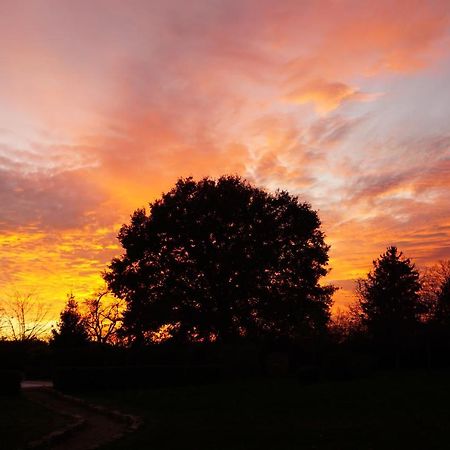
10	382
344	365
437	351
241	360
93	354
33	358
126	377
308	374
202	374
277	363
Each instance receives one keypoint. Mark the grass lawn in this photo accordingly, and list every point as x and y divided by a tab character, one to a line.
402	410
22	421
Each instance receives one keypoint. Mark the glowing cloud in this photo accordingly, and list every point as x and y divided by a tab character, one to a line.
103	104
327	96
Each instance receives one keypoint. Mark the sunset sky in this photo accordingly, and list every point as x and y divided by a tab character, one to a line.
105	103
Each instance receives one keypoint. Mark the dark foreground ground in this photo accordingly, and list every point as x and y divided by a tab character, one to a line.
22	421
388	411
408	410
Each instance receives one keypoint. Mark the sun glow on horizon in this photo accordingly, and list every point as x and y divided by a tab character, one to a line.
102	109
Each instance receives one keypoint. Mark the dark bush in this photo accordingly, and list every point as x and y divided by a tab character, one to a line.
277	363
345	365
308	374
241	361
91	355
13	355
10	382
33	358
129	377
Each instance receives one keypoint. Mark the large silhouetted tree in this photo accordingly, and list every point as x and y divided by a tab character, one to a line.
222	260
389	298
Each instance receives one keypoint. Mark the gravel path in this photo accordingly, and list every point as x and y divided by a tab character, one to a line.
97	429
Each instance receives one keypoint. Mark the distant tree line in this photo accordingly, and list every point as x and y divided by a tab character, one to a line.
224	263
400	313
25	318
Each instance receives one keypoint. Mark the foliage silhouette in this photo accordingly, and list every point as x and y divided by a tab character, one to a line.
10	381
221	260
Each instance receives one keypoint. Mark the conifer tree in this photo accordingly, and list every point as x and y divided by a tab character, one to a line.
71	329
389	297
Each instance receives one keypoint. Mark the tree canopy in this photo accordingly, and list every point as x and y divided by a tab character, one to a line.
222	260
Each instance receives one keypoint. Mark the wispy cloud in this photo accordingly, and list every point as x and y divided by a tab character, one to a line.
328	96
103	104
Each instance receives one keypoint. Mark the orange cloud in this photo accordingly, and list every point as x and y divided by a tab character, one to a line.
53	264
327	96
104	104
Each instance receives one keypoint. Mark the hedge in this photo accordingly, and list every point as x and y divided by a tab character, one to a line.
10	381
124	377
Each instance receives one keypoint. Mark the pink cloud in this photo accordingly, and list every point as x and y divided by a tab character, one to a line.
327	96
104	104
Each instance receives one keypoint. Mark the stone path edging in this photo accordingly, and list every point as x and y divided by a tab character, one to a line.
57	435
133	422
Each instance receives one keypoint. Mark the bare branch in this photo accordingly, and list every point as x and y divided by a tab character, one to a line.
103	317
23	317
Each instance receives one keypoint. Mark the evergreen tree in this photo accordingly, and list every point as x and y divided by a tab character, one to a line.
71	329
389	298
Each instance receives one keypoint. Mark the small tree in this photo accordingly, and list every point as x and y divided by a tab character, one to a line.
71	329
389	297
103	317
435	293
24	318
442	312
346	324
